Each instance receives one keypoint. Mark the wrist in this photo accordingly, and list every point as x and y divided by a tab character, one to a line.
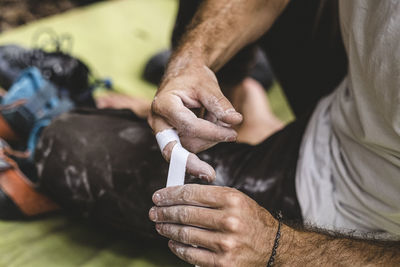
285	235
288	237
183	60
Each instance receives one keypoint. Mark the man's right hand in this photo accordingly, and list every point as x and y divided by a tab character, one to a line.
190	101
218	31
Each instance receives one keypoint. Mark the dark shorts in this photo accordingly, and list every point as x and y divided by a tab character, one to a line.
106	164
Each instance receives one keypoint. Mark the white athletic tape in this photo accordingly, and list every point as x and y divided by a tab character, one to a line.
165	137
179	156
177	166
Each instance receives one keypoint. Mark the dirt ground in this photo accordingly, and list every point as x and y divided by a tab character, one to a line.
14	13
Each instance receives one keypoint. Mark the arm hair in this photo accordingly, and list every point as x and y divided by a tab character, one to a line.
313	246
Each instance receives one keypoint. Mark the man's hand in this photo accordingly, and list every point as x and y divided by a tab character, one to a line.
185	90
227	227
230	229
192	87
189	88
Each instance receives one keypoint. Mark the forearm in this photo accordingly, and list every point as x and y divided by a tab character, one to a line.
315	248
221	28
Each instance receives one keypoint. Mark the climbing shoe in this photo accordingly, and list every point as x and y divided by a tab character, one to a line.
19	197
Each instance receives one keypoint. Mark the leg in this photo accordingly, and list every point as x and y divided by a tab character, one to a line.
106	165
102	164
259	122
265	172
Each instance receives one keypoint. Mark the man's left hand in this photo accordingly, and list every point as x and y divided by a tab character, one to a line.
214	226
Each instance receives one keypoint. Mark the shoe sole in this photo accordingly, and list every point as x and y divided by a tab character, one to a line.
22	193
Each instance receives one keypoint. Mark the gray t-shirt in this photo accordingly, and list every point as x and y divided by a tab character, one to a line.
348	174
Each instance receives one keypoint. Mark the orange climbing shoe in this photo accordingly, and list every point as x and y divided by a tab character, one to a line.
18	197
6	132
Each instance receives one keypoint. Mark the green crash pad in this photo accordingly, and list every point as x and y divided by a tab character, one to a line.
115	38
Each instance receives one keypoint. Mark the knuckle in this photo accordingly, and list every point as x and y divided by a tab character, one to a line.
184	215
187	128
184	235
164	228
182	251
164	214
157	105
187	193
231	223
228	244
234	198
188	255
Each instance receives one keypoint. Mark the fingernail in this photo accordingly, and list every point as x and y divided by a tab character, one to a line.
153	214
224	124
234	113
156	198
204	177
230	138
211	174
158	227
230	111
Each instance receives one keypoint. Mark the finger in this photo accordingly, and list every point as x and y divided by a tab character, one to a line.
172	109
212	118
196	145
194	165
192	194
189	125
188	215
216	103
200	169
157	123
190	235
193	144
196	256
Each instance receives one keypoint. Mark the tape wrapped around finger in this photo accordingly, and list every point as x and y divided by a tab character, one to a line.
179	156
165	137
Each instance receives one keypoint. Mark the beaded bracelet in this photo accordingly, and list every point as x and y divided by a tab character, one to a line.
276	242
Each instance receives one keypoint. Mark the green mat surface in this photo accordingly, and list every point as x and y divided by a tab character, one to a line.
115	38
